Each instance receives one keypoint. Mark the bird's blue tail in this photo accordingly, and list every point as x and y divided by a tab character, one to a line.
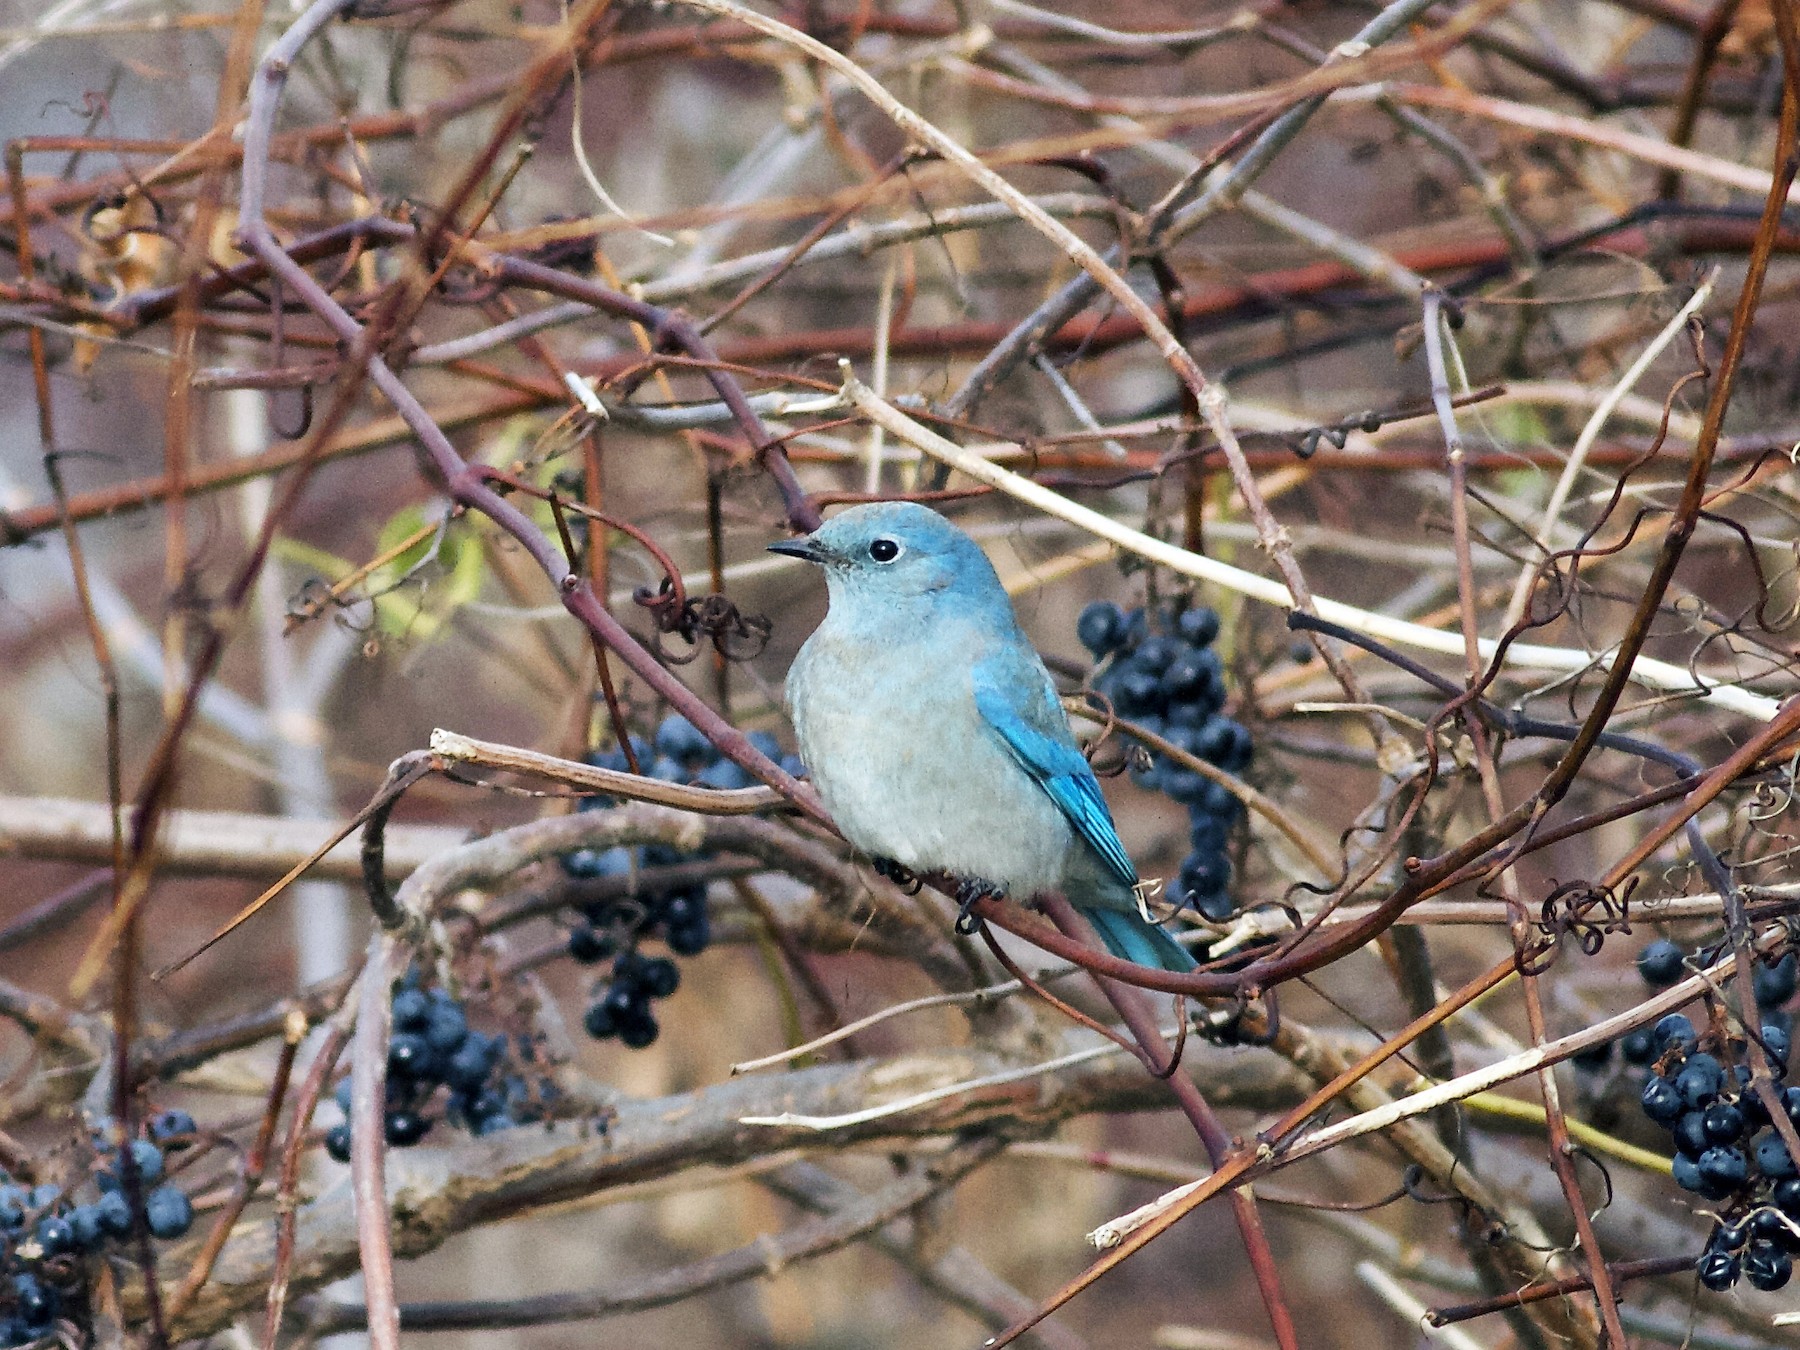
1129	938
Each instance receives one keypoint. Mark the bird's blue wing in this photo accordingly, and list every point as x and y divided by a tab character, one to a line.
1020	705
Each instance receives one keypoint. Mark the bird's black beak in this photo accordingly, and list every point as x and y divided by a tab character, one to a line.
803	548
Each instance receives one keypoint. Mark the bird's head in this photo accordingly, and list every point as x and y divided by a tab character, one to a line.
897	550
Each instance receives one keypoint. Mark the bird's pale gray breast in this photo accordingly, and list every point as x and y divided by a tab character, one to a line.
909	770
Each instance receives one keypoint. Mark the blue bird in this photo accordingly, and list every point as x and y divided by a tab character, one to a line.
934	734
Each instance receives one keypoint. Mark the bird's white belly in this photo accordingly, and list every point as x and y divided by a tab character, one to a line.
919	779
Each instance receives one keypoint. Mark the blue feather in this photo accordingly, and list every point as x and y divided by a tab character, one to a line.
1055	764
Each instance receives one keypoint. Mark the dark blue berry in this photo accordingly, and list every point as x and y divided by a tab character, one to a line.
724	776
667	770
1690	1134
1660	963
474	1059
84	1223
337	1143
1718	1270
1724	1169
54	1235
1724	1123
1673	1030
1203	873
793	766
1686	1172
1773	1159
1136	692
412	1010
1773	985
591	864
448	1028
679	739
1786	1196
639	1029
1728	1237
1661	1102
587	945
114	1212
405	1128
148	1159
1701	1079
1637	1047
690	938
1101	628
1209	834
168	1213
408	1055
659	977
14	1201
1594	1058
1156	653
1193	677
44	1196
1198	625
173	1124
1767	1267
34	1303
1777	1045
599	1022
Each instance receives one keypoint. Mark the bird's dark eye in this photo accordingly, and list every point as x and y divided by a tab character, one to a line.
884	550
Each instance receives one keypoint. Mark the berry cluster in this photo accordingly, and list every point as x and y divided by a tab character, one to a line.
613	928
1163	674
45	1230
1726	1149
432	1046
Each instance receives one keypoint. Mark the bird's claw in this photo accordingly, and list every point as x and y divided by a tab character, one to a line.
970	891
896	873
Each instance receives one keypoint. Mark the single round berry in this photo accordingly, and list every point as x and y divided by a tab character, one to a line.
1773	984
1661	1102
1728	1237
639	1029
1136	692
408	1055
599	1021
1767	1267
1700	1080
1724	1123
1724	1169
659	977
337	1143
115	1212
474	1059
85	1224
1786	1196
1660	963
412	1009
1718	1270
1101	628
448	1027
148	1159
1594	1058
34	1302
1156	653
1778	1046
679	739
1199	625
1690	1134
1673	1031
168	1213
405	1128
173	1124
1637	1047
54	1235
1773	1159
